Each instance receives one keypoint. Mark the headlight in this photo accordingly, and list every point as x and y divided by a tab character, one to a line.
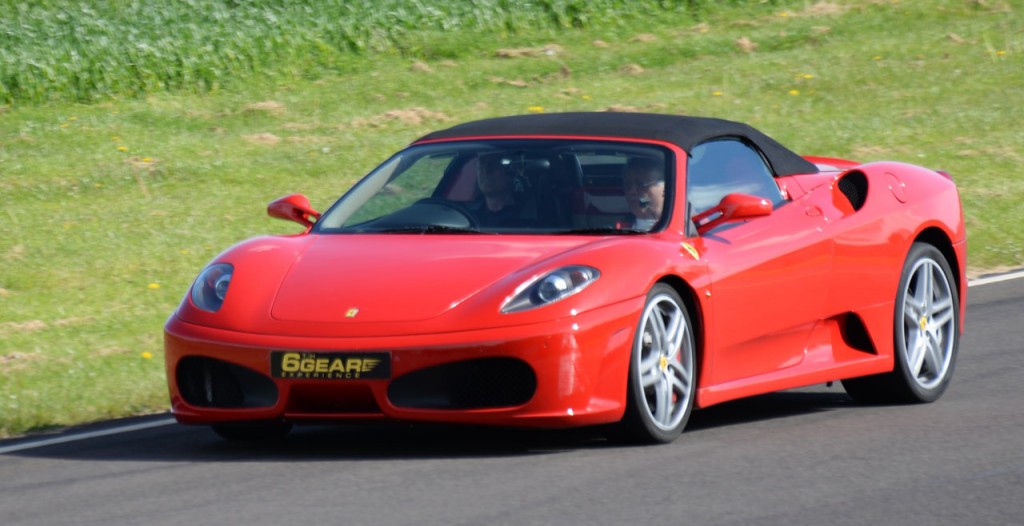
211	286
551	287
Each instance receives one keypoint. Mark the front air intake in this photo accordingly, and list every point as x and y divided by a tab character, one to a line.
205	382
471	384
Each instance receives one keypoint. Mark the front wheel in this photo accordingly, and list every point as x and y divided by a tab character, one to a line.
926	334
662	370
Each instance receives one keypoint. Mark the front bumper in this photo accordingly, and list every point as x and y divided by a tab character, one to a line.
563	373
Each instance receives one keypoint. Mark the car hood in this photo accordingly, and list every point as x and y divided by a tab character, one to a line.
402	278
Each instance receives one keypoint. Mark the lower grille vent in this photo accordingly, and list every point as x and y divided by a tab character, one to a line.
472	384
205	382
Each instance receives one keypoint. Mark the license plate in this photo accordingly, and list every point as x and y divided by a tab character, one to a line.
330	365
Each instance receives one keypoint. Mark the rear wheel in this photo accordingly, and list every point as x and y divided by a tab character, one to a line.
662	378
926	334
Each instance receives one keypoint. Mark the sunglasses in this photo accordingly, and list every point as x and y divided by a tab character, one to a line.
640	185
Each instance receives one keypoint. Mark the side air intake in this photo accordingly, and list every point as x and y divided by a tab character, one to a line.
854	186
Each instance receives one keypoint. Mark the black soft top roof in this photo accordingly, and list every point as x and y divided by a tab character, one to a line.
684	131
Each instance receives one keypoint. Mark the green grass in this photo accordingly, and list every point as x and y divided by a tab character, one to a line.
83	51
111	207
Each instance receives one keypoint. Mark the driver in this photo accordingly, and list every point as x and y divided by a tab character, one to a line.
643	183
501	205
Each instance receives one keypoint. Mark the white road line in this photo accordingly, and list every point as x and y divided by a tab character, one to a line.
84	436
1017	274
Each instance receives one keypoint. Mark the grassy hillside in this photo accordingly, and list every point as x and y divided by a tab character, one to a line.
114	199
85	51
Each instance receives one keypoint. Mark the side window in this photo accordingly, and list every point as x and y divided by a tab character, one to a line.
727	166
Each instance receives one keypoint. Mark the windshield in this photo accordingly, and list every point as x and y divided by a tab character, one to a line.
510	186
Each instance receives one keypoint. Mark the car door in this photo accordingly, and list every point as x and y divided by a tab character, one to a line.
769	275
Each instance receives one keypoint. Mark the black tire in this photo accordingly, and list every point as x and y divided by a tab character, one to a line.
662	371
252	431
926	334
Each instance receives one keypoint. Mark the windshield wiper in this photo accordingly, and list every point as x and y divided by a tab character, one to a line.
426	229
599	230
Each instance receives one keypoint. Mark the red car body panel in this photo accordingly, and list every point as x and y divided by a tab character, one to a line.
776	301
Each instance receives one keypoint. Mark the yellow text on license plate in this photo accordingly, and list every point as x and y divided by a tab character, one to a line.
301	365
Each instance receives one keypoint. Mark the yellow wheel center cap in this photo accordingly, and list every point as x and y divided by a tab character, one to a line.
924	323
663	363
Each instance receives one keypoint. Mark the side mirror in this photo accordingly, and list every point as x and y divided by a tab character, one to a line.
294	207
733	207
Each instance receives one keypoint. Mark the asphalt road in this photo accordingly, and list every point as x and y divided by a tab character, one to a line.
800	457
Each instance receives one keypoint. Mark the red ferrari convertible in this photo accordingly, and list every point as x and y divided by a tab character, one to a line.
575	269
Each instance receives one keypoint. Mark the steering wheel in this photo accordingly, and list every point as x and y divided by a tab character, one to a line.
448	205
